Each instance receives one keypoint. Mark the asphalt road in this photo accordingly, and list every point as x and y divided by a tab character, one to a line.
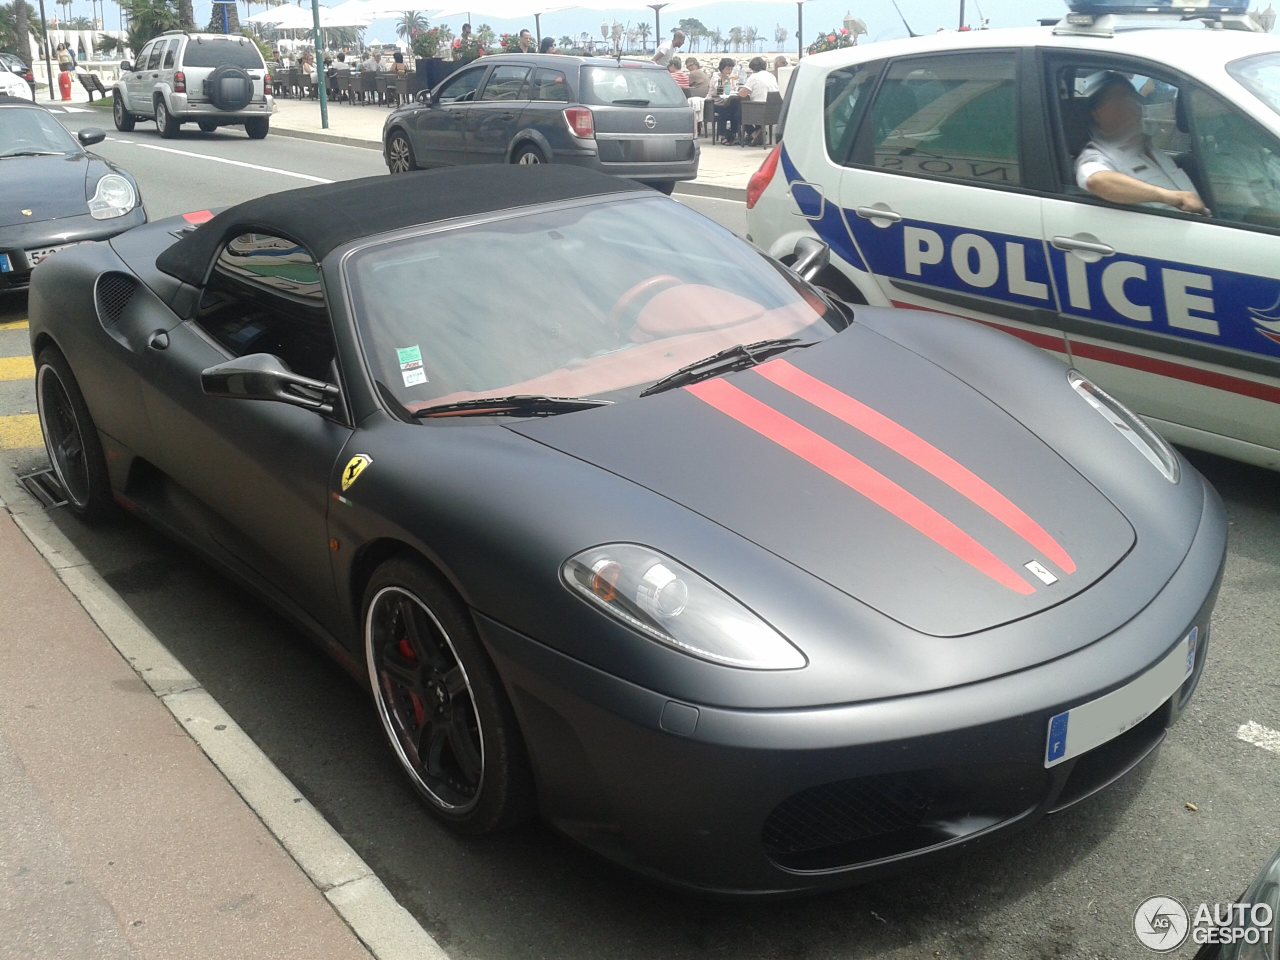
1066	889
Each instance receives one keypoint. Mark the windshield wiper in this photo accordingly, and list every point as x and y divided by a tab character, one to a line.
33	153
727	360
636	102
520	405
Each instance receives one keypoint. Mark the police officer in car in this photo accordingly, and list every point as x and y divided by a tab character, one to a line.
1120	164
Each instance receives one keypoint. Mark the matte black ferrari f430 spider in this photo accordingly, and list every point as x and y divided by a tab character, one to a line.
623	522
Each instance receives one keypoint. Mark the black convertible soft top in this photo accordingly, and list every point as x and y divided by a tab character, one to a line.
323	218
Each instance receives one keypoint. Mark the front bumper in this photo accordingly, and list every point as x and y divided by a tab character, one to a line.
765	802
17	239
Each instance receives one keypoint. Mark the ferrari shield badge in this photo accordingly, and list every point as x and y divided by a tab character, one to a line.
355	466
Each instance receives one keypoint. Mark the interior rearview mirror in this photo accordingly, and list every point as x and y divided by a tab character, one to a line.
812	257
91	135
261	376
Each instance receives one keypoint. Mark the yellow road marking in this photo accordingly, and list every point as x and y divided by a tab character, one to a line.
22	430
14	325
17	368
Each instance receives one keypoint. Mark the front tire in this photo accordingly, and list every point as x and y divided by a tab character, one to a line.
400	158
257	127
528	155
165	121
443	710
124	119
70	438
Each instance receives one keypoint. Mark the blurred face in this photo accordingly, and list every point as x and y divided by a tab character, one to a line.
1119	114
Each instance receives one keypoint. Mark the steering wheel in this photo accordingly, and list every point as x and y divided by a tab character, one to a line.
643	291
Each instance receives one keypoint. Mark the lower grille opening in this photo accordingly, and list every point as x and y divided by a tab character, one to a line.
1105	764
863	819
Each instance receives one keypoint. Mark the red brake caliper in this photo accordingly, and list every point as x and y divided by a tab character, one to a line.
419	708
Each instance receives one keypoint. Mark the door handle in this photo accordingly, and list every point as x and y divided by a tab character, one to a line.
507	116
1082	245
878	211
158	340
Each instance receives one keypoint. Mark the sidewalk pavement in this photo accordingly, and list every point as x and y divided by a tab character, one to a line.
120	839
360	125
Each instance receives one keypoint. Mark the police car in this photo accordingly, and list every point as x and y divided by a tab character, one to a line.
941	172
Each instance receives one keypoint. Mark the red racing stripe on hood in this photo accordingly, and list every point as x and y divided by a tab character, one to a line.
858	476
919	452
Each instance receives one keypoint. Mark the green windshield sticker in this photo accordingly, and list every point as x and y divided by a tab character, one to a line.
410	357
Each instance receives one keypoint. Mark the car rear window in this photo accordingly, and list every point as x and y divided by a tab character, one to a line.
215	53
630	86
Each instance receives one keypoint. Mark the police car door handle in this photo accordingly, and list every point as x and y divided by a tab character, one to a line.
1082	245
876	212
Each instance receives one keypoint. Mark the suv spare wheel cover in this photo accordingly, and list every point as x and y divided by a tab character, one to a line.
229	87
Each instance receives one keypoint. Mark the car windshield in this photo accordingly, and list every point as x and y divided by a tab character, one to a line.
639	86
215	53
32	130
1261	77
598	299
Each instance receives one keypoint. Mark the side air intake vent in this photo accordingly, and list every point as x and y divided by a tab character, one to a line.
112	294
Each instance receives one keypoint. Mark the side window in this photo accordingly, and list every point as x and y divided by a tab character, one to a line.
1239	162
505	83
169	54
265	296
953	116
550	85
141	62
844	101
153	62
462	88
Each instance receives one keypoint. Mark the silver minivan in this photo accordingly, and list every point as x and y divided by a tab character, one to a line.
622	117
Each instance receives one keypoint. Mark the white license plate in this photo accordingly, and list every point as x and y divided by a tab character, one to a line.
1092	724
6	265
35	256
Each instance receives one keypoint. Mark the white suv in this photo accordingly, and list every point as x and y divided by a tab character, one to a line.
940	171
211	79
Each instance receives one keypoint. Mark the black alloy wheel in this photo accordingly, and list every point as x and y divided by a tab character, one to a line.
442	707
70	437
400	153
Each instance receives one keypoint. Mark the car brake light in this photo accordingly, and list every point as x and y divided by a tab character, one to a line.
582	122
266	84
29	77
179	82
760	179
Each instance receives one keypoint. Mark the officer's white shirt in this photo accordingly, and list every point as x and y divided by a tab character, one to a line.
1134	157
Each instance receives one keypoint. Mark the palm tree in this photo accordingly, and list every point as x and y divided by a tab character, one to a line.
484	35
566	43
780	35
148	19
21	29
717	39
66	9
186	15
749	38
735	38
645	30
410	24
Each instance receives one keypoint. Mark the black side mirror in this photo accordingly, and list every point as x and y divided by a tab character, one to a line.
812	257
88	136
261	376
424	97
126	66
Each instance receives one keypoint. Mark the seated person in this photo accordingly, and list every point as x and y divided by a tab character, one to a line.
699	82
676	69
1120	164
757	88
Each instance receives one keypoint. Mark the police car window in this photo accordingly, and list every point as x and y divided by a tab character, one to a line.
953	116
1239	162
844	100
265	297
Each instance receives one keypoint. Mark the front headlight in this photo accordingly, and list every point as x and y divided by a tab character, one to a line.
1149	443
669	603
114	197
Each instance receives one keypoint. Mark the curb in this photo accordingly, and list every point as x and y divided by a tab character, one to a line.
691	188
387	930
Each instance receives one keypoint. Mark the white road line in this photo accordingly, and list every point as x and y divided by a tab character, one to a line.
1259	736
226	160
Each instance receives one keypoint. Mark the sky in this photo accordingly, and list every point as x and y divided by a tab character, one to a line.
882	21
